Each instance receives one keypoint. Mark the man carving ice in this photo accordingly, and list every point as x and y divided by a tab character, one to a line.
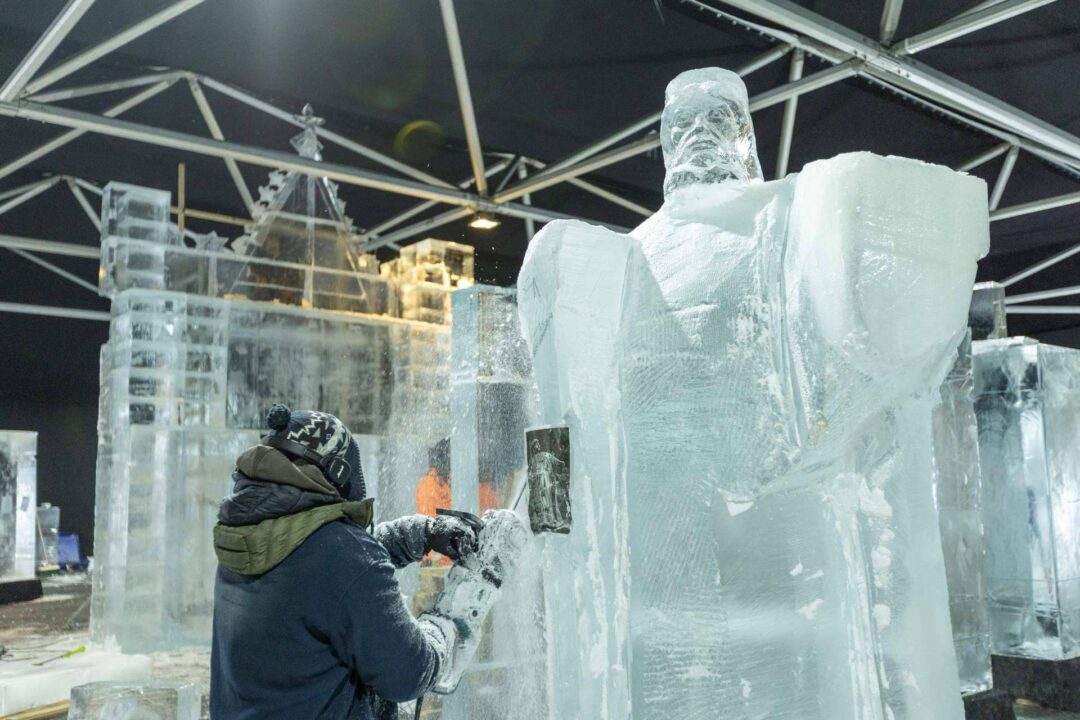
746	378
308	618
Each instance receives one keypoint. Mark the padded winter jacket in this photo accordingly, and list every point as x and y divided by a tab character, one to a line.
308	618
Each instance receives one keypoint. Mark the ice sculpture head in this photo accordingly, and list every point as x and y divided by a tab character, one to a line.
322	440
706	131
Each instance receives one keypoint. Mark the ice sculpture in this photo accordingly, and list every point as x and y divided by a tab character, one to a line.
748	382
202	340
135	701
492	399
18	504
957	487
1029	429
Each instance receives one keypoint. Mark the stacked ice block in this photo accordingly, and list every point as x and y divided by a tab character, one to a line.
748	382
425	273
492	399
1029	430
200	346
135	701
18	503
958	487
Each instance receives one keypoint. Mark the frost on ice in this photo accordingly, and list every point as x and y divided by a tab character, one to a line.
748	381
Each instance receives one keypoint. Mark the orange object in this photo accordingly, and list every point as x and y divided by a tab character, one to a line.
488	501
432	493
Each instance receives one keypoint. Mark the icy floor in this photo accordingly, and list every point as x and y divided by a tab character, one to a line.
48	627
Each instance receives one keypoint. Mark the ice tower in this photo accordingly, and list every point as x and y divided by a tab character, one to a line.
748	380
18	504
205	335
1029	429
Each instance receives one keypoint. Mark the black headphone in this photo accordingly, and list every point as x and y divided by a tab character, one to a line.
334	468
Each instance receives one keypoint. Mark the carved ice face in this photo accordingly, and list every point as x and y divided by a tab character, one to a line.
706	131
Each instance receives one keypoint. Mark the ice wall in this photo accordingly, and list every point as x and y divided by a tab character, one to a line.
958	487
492	401
1029	429
135	701
748	382
18	503
202	340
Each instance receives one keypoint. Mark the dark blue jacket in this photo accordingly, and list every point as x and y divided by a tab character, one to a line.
324	634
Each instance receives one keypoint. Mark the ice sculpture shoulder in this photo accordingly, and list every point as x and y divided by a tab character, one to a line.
750	464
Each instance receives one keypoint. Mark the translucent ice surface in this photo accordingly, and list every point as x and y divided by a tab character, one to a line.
748	383
958	488
492	401
987	316
155	700
18	503
1029	428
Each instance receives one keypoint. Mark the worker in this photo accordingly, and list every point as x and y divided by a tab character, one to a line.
309	621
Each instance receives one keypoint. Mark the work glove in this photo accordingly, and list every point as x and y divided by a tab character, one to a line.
450	536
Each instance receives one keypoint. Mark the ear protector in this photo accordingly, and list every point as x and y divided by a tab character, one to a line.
334	468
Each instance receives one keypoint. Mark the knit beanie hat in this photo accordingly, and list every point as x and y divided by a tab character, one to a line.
324	435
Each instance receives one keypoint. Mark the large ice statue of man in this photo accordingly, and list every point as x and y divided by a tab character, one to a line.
748	380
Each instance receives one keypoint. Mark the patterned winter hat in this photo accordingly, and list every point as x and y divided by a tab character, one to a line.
325	438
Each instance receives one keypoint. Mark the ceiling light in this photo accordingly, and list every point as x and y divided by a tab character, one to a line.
483	221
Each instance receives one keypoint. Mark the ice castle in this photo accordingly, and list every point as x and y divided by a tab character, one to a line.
204	334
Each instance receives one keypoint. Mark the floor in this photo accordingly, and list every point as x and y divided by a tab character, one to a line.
48	627
58	622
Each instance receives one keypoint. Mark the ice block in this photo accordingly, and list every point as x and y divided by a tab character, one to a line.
958	489
1029	429
150	700
18	504
748	379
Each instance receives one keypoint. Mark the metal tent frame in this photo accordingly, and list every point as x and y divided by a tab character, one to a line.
796	31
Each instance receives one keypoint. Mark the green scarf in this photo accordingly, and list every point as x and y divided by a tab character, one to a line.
257	549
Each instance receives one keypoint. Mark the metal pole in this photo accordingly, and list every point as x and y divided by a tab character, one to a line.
62	140
242	153
44	47
424	206
328	135
51	247
1003	177
1035	206
906	71
31	193
1043	310
967	23
984	157
1042	295
122	38
215	131
51	311
54	269
555	175
890	19
787	127
444	218
461	81
22	188
106	87
595	190
84	203
1042	265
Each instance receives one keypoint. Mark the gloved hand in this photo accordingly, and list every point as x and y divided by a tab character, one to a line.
451	536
